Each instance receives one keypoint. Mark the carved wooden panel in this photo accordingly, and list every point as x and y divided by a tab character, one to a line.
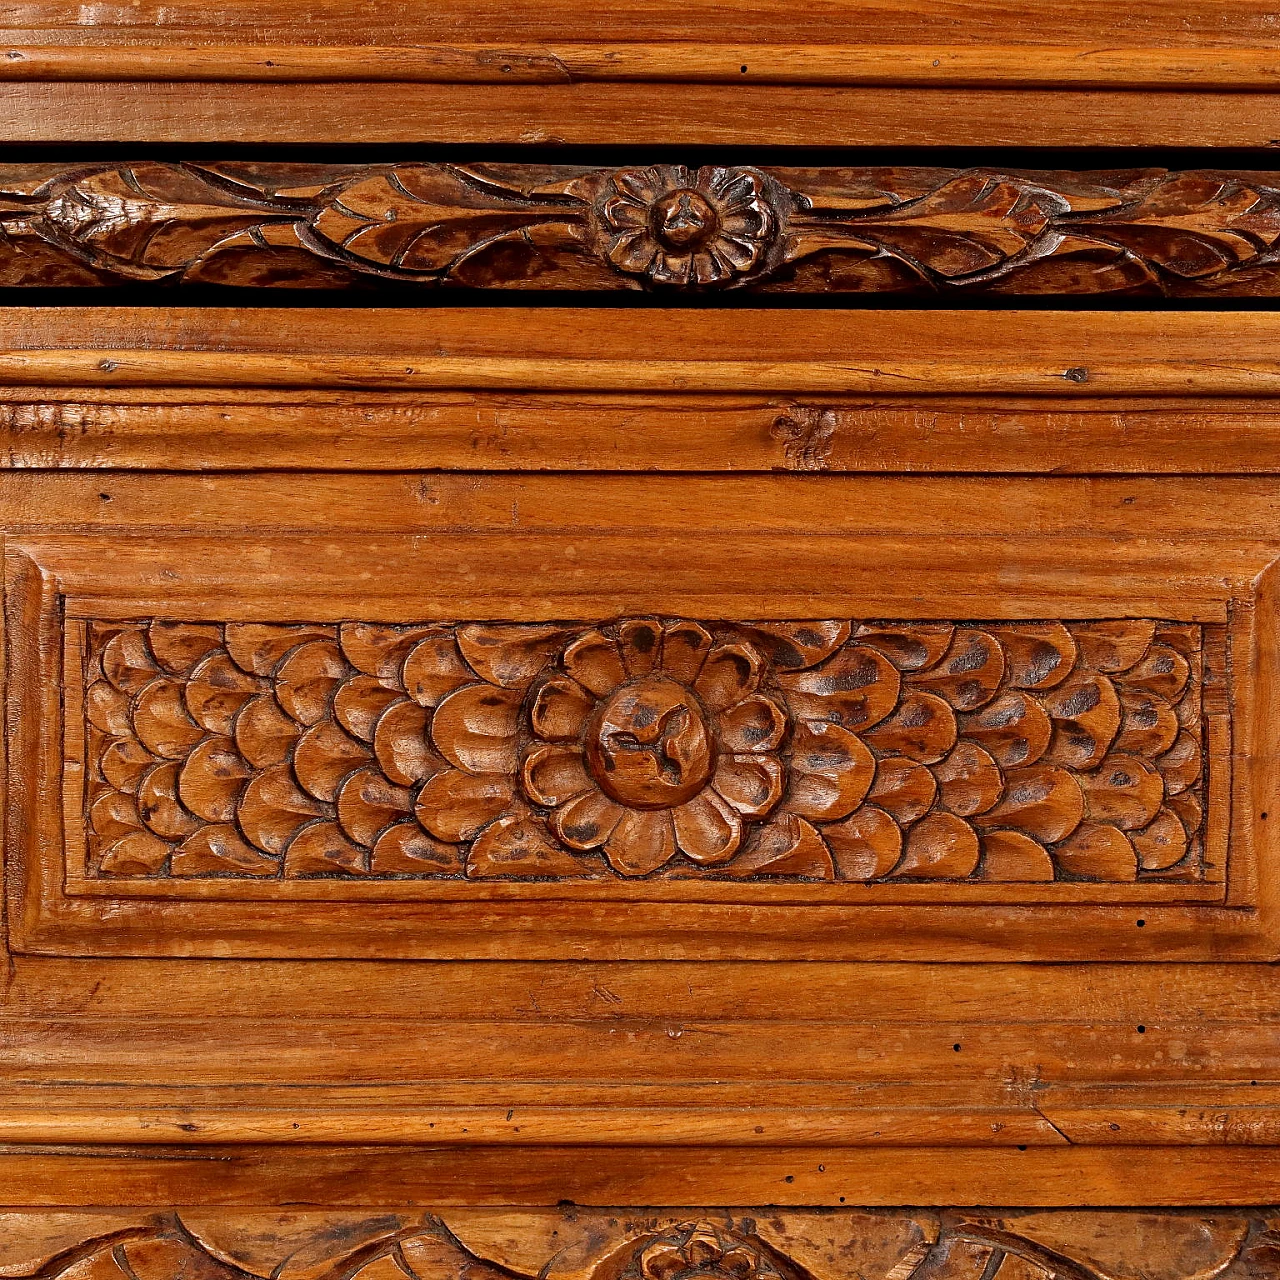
822	750
644	1244
663	226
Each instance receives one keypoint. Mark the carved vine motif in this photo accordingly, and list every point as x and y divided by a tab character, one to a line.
826	750
651	1244
538	226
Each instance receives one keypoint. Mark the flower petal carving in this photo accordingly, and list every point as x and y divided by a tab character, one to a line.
273	808
554	774
856	688
864	846
402	743
561	709
475	728
594	662
642	842
753	784
434	668
708	830
756	723
518	845
831	771
216	690
586	821
212	779
161	721
509	656
457	806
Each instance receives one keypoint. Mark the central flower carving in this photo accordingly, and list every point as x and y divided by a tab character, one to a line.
678	227
654	742
648	744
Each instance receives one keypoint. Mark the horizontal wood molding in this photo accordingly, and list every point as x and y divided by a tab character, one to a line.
894	356
764	1243
662	227
688	62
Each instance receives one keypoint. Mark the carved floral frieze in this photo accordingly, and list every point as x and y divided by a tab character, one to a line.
660	747
664	226
643	1244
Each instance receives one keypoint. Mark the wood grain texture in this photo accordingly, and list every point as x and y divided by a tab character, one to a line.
1074	358
819	750
643	1244
664	226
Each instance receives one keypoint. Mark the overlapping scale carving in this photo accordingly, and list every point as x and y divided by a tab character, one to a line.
875	751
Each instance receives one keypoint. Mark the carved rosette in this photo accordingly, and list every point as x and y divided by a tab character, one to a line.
825	750
679	228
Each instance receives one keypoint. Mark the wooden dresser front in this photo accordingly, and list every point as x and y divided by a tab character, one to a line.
640	646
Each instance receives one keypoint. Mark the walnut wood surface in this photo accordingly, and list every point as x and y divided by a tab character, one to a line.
643	1244
665	227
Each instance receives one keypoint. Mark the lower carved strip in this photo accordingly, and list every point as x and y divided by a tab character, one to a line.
668	748
644	1244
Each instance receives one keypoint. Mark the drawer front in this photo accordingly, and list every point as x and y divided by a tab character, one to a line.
789	717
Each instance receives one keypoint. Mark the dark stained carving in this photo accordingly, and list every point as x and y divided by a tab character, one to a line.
823	750
665	227
649	1244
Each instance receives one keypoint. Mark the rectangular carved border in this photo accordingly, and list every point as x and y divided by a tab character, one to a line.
765	1243
615	919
